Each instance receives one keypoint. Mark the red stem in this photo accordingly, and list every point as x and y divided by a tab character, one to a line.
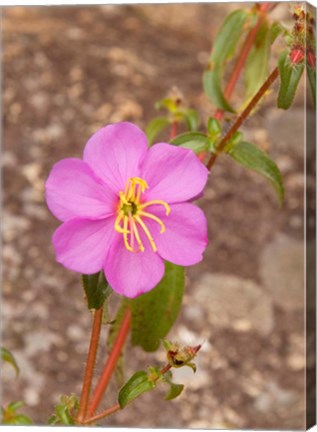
245	113
110	364
91	359
173	131
107	412
243	56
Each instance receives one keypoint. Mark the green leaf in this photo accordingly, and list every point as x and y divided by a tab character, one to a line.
154	313
138	384
223	49
13	406
195	141
290	75
113	333
191	118
214	128
9	416
97	289
257	64
212	88
311	73
155	127
8	357
252	157
275	30
228	37
63	411
174	391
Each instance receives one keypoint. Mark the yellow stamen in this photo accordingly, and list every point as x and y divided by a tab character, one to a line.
117	225
147	232
163	203
155	218
125	234
137	235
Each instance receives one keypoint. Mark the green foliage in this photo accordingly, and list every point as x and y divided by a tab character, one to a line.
290	75
8	357
224	47
311	73
97	289
64	412
112	336
257	64
250	156
214	128
11	417
138	384
196	141
174	391
157	125
154	313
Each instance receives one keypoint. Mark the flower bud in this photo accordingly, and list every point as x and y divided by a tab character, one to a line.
297	55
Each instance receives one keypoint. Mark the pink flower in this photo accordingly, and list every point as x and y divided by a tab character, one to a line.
125	208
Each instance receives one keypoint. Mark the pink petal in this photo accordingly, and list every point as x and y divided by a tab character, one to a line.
185	238
174	174
132	273
73	190
81	245
115	153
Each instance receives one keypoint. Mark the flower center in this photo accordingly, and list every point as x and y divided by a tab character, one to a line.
131	215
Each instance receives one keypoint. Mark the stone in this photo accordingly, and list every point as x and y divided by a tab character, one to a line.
282	271
235	303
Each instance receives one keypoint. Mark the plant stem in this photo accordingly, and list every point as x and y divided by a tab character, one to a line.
250	38
91	359
245	113
107	412
110	364
173	131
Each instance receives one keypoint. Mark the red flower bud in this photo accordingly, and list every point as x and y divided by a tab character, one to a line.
297	55
311	58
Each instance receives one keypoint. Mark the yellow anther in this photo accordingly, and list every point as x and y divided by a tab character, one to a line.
155	218
159	202
147	232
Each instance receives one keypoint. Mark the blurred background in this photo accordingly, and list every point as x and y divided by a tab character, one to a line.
67	71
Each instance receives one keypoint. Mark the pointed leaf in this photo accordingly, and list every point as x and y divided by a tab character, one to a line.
97	289
8	357
223	49
191	119
290	75
174	391
138	384
113	333
212	88
252	157
154	313
257	65
311	73
195	141
155	127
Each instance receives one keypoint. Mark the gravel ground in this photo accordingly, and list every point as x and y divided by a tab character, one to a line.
66	72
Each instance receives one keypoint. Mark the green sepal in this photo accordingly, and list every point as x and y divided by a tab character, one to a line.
10	417
191	119
311	73
8	357
157	125
250	156
290	75
138	384
196	141
214	128
64	412
154	313
97	289
223	49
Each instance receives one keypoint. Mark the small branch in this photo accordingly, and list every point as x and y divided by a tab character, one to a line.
250	38
245	113
110	364
91	359
107	412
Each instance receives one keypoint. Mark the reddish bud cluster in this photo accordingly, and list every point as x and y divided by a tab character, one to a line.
297	55
311	58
